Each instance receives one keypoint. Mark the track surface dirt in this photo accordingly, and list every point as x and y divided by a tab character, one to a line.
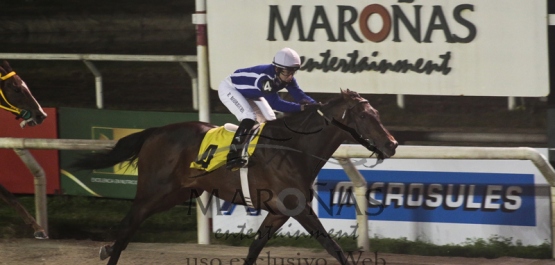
85	252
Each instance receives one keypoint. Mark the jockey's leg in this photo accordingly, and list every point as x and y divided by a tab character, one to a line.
263	110
234	158
242	109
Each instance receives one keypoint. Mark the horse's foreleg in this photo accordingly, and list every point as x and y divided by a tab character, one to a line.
313	225
12	201
141	209
268	227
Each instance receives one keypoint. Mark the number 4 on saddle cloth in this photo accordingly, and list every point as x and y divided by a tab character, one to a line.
215	146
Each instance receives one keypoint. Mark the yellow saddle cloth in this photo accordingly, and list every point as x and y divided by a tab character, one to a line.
215	146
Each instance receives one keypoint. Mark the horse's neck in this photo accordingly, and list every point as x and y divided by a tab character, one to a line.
325	143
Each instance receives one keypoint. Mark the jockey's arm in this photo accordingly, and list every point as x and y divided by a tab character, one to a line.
279	104
297	93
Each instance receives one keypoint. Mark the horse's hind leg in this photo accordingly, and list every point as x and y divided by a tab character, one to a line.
268	227
140	210
125	231
315	228
12	201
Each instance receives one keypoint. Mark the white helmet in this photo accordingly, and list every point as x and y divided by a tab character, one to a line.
287	58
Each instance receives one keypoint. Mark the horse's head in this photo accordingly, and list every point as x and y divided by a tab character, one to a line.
355	115
17	98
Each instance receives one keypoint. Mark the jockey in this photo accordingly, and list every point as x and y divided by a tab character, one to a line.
251	95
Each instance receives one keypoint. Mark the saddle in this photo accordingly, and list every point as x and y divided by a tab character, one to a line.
213	150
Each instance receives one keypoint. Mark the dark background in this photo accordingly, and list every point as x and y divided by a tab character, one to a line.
165	28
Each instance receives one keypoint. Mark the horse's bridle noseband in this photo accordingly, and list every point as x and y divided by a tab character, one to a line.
21	113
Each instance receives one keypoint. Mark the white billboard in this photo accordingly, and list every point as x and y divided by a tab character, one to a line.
437	201
432	47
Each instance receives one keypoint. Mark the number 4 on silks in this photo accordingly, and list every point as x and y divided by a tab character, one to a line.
207	156
228	208
267	86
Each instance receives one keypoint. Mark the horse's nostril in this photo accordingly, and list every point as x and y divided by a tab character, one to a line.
393	144
40	117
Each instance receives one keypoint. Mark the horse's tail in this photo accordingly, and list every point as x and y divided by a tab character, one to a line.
126	149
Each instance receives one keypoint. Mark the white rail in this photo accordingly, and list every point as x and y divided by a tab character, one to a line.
343	152
58	144
98	57
444	152
88	58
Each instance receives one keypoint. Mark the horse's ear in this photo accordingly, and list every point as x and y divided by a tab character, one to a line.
344	93
6	65
2	70
347	94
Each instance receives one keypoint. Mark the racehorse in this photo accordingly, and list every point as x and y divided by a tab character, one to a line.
290	153
17	98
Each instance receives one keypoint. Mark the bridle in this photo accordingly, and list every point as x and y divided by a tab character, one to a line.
357	136
352	131
20	113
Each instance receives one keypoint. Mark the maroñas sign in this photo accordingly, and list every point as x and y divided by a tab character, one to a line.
433	47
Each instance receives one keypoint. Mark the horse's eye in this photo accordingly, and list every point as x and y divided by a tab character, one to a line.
15	87
362	115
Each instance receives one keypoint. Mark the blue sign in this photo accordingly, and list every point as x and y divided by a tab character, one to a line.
420	196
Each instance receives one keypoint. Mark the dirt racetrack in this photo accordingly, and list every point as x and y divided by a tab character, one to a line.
85	252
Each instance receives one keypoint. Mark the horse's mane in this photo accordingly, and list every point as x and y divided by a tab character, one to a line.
337	99
311	121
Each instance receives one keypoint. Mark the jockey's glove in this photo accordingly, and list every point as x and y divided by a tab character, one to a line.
311	106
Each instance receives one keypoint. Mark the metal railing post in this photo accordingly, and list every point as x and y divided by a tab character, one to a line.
97	83
40	186
359	183
194	82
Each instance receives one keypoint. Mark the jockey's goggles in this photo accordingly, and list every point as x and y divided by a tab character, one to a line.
288	71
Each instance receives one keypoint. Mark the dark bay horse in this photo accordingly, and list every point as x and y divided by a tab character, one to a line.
290	153
16	97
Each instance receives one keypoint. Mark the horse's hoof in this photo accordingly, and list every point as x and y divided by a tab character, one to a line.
105	252
40	235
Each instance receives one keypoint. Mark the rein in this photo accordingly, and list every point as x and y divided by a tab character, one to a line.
367	144
346	128
10	107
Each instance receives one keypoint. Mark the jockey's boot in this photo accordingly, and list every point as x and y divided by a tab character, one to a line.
234	158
